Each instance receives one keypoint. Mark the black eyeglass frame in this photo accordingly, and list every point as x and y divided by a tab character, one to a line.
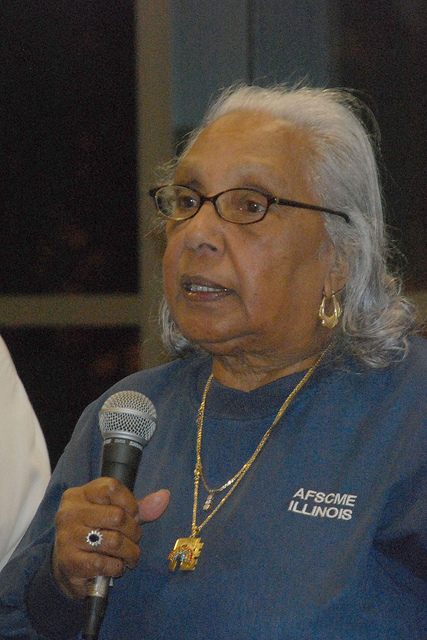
270	200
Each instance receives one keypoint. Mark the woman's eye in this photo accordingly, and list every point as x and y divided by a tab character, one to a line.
253	206
186	202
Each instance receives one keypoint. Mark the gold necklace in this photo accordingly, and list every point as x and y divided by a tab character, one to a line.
200	418
187	550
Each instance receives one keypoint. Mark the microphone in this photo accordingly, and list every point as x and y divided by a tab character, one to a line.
127	422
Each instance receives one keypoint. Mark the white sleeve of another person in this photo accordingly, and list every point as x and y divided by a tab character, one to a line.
24	461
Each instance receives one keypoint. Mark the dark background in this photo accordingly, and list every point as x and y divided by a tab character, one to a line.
68	134
69	210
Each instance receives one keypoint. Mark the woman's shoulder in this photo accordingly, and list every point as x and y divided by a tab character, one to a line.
175	376
165	373
408	374
403	380
414	366
411	360
417	352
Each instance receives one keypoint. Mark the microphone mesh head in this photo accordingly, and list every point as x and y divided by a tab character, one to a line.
128	413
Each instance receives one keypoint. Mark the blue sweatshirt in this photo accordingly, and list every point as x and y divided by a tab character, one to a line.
324	538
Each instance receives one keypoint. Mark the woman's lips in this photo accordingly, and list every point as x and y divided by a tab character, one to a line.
200	288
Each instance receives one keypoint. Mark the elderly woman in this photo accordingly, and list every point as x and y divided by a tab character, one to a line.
290	431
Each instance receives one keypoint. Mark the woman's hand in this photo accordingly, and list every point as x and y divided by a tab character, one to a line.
107	506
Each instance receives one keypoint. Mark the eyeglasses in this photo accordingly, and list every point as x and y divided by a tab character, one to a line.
240	206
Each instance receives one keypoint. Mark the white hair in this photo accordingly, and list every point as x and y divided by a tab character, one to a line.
376	319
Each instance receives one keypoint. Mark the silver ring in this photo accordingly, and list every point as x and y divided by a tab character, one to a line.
94	538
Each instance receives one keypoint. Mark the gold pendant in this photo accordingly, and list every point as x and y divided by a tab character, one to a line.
187	551
208	502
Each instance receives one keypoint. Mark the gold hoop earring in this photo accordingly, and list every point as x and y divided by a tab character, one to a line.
330	322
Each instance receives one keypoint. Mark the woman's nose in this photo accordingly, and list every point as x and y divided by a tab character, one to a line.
205	229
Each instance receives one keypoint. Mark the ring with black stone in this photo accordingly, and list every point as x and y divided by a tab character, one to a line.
94	538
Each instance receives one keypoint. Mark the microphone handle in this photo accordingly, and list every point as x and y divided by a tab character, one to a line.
95	607
120	460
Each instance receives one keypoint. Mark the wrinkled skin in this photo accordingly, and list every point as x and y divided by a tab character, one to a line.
107	505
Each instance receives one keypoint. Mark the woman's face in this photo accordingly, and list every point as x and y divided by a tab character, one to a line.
256	289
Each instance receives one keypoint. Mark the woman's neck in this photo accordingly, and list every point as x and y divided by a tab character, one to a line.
240	371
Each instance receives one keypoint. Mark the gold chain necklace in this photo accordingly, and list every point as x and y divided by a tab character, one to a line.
200	418
187	550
